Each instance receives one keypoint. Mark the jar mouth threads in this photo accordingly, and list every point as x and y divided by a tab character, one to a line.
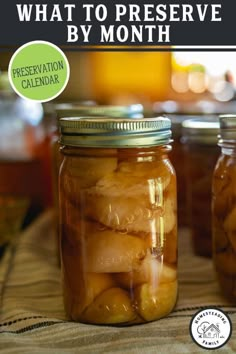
115	132
227	134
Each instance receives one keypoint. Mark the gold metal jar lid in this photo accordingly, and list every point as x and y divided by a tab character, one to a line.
75	110
201	130
227	128
118	132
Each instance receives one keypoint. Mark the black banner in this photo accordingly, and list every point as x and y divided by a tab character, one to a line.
86	23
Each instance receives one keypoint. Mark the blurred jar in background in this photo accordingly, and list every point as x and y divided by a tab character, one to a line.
224	208
43	150
21	134
178	112
201	153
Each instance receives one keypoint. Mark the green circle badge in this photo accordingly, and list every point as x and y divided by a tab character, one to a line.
39	71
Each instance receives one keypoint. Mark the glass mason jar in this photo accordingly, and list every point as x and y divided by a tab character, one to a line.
224	207
117	220
201	153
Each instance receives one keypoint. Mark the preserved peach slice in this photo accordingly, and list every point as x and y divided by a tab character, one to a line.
84	172
129	200
129	176
111	307
91	169
111	252
89	287
150	271
145	170
131	214
154	303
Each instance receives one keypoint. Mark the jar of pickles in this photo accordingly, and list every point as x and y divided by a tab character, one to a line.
224	207
201	153
117	220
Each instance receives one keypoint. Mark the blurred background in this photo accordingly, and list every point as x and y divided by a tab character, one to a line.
126	77
182	84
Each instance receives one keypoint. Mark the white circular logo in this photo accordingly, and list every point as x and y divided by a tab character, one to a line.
211	328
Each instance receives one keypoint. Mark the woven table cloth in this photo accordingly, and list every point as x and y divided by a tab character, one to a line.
32	318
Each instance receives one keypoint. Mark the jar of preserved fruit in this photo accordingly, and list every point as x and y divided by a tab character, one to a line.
224	207
201	153
117	220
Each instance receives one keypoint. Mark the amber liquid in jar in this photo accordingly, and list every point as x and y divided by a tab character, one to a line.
200	161
224	222
56	159
118	234
177	158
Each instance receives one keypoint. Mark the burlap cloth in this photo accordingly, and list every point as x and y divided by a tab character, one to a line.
32	318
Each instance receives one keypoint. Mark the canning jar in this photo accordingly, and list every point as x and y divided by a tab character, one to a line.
224	207
117	220
201	153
